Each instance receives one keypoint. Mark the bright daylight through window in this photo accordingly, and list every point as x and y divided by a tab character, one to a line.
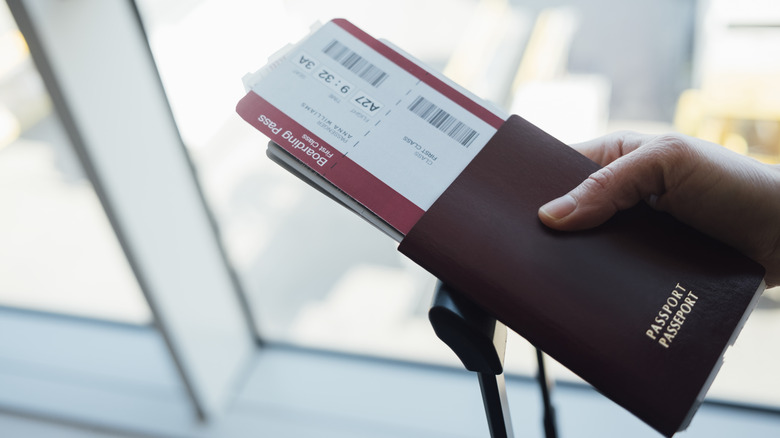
58	252
348	288
310	273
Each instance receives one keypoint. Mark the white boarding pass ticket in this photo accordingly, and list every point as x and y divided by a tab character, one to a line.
373	122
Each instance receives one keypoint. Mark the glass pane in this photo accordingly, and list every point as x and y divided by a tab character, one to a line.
346	288
58	252
315	274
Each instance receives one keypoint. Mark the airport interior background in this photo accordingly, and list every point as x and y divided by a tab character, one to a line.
99	335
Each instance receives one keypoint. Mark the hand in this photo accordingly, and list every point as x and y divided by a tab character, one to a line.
728	196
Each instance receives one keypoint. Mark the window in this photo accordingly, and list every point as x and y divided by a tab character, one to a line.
185	209
116	119
59	253
560	67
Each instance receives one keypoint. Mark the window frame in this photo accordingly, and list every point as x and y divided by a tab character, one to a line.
145	183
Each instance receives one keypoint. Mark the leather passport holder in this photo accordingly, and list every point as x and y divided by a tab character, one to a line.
642	307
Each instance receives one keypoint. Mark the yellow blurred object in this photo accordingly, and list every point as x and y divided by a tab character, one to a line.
489	50
23	97
689	115
479	38
13	52
13	55
547	52
742	114
736	67
736	143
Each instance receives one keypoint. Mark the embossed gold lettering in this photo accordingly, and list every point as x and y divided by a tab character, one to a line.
650	333
673	314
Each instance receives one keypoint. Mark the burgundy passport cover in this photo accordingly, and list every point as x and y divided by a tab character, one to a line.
641	307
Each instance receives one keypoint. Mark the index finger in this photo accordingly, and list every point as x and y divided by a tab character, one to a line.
606	149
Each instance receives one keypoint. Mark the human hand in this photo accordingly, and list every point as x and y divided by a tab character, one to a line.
728	196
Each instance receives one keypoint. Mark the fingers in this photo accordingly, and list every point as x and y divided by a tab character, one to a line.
606	149
727	196
622	183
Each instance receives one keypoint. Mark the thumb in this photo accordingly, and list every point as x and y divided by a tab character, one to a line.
617	186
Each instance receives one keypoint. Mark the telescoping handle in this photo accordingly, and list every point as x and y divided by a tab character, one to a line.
479	341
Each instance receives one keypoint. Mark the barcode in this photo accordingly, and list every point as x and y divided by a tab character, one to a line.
443	121
355	63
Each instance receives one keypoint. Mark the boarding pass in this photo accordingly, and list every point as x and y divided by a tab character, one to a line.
369	119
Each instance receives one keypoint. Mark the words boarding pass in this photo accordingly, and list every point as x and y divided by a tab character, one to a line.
370	120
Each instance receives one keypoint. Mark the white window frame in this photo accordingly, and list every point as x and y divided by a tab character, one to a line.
94	58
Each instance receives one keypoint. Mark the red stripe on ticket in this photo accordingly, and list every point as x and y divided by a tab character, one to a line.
324	159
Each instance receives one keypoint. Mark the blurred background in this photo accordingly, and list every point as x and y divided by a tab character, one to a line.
577	68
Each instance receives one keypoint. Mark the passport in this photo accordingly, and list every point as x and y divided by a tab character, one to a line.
642	307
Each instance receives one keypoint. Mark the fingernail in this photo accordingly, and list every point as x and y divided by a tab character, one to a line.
559	208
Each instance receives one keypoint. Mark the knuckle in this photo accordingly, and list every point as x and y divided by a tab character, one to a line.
670	149
625	141
599	181
625	135
598	192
